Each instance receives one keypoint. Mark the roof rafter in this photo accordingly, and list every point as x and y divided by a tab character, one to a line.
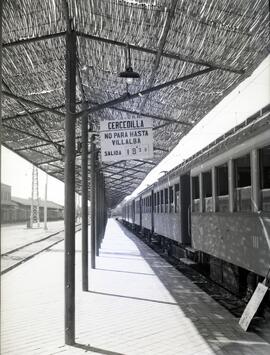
29	135
172	120
124	169
33	39
182	58
145	162
166	28
139	94
33	103
34	119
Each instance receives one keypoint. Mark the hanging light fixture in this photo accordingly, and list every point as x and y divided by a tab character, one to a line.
129	74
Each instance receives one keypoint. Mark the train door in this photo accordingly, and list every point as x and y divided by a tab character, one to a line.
133	212
185	208
140	212
152	211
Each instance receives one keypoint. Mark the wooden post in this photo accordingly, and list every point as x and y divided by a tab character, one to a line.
70	123
85	202
93	202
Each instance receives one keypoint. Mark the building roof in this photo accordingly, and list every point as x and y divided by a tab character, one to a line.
209	47
5	186
27	202
8	203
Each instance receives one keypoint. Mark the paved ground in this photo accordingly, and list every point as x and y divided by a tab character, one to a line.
138	304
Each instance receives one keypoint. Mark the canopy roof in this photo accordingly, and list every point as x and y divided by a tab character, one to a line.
211	45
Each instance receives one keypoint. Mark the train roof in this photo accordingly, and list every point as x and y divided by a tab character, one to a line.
256	123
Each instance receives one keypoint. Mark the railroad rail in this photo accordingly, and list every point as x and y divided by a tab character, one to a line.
13	258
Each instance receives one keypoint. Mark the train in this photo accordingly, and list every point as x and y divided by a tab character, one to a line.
213	209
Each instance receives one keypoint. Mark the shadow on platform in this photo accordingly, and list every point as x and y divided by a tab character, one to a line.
95	350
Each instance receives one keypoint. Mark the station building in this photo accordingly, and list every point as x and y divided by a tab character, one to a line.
17	209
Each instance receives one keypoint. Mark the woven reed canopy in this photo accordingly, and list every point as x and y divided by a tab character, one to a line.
212	45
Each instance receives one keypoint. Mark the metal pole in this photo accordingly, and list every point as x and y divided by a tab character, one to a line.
70	187
85	202
32	200
93	203
45	203
1	14
102	209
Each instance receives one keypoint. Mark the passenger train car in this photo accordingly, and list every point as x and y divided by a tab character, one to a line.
215	206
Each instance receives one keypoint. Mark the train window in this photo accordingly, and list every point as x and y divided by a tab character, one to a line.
242	171
158	203
195	194
265	167
150	206
177	197
265	177
171	199
207	191
166	200
243	183
195	188
222	188
155	202
207	184
144	205
222	180
161	201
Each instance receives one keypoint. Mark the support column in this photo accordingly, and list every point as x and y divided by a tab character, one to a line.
45	203
97	209
93	202
255	181
70	124
1	45
103	209
231	185
85	202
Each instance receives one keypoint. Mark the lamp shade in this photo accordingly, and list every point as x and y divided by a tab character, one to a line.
129	74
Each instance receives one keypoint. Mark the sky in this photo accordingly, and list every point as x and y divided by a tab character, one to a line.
17	172
246	99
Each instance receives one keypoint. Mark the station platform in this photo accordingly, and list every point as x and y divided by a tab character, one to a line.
137	304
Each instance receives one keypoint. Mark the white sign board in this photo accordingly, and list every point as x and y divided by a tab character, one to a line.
126	139
253	305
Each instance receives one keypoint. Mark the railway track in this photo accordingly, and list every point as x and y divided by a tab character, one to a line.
14	258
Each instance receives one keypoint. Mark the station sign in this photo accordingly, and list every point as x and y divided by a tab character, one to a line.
126	139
